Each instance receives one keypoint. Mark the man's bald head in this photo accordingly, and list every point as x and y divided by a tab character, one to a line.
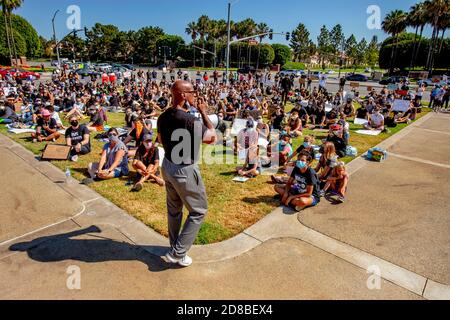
180	91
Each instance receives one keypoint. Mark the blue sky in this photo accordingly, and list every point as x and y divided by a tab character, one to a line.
173	16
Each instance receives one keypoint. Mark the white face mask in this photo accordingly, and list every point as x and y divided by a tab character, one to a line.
148	145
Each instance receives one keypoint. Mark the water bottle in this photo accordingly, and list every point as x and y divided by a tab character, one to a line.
68	175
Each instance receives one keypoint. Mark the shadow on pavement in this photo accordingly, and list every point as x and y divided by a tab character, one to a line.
62	247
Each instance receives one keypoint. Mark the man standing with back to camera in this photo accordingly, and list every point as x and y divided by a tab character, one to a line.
181	135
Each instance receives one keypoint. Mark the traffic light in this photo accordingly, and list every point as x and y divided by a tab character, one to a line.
288	36
271	34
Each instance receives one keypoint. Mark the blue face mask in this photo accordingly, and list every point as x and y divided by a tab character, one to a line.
301	165
306	144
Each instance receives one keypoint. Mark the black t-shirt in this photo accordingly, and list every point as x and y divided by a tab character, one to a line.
147	159
361	113
51	123
162	102
277	120
77	135
339	144
320	113
305	179
174	119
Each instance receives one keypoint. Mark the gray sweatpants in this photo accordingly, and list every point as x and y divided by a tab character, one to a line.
184	186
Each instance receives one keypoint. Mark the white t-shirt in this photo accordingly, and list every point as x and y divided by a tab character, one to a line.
55	116
376	120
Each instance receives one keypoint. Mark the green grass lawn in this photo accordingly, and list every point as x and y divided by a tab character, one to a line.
233	207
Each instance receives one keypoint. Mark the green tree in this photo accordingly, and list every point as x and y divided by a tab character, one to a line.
324	45
394	24
300	42
146	39
337	39
174	42
373	52
283	54
361	52
261	28
27	40
351	48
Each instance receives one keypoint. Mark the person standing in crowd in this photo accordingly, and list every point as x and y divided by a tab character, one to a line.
184	185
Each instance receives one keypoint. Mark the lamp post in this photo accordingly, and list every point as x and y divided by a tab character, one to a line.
228	43
54	38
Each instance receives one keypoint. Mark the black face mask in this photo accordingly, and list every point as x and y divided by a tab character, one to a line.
74	123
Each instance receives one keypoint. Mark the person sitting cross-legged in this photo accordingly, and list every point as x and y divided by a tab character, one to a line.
114	160
46	129
146	163
302	189
78	138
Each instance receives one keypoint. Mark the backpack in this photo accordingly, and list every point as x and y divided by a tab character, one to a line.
351	151
377	154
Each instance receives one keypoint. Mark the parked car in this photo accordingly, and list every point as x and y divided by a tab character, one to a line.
315	75
83	73
331	72
431	82
295	73
247	70
23	74
357	77
119	71
102	67
129	67
394	80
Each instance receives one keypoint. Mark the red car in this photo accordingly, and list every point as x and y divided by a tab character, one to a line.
23	74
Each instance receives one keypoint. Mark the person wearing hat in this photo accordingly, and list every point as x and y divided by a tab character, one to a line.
146	163
46	129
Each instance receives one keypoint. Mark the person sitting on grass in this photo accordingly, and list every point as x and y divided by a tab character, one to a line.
96	121
307	145
284	149
302	189
327	161
114	159
141	128
46	129
335	136
77	137
294	127
7	113
146	163
252	166
376	120
337	182
409	115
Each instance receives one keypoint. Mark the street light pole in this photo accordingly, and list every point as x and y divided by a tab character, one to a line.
54	38
228	43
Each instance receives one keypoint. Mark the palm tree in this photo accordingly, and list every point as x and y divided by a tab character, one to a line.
4	4
192	30
203	26
11	5
260	29
437	9
394	24
417	17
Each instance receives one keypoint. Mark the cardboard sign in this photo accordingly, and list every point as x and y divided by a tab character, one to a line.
401	105
55	152
354	84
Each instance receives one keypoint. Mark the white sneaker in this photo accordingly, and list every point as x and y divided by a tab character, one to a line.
186	261
74	158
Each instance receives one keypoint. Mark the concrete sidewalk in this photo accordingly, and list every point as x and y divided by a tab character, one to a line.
278	258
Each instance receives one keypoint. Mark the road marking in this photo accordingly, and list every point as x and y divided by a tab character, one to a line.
434	131
446	166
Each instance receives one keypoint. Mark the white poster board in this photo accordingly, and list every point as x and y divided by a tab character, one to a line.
369	132
361	122
238	125
401	105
